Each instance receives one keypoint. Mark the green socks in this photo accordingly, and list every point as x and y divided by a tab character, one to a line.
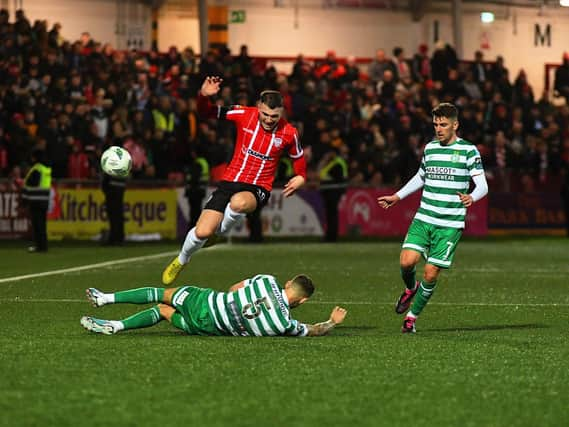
408	277
140	295
422	298
144	319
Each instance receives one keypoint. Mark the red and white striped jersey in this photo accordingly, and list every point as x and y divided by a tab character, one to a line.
257	151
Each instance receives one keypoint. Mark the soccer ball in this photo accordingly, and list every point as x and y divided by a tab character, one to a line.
116	161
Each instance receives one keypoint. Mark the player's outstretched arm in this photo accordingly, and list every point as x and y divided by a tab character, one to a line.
387	201
412	185
336	317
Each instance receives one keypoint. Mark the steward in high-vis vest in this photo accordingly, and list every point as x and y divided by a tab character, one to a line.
36	189
163	117
333	173
197	179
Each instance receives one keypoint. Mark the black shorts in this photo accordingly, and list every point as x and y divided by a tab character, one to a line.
226	189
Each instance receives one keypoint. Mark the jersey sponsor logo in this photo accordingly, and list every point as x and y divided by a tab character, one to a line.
234	312
248	130
441	173
278	142
280	300
179	300
256	154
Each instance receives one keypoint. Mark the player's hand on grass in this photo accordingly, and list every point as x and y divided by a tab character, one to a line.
387	201
338	315
292	185
211	85
466	199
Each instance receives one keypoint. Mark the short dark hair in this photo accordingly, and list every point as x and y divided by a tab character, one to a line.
304	285
271	98
446	109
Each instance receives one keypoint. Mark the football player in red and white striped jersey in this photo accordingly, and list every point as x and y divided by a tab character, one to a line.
263	136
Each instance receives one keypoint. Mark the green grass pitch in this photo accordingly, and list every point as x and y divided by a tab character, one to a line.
491	348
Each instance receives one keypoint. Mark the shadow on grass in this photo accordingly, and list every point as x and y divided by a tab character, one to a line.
488	328
344	331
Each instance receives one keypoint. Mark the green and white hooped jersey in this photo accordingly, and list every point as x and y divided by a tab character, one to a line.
260	308
446	170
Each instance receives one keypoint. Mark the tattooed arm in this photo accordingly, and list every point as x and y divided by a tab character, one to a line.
336	317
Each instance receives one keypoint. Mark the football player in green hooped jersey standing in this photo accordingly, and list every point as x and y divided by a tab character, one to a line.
448	164
253	307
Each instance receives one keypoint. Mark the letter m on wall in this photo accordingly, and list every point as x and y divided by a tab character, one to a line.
540	38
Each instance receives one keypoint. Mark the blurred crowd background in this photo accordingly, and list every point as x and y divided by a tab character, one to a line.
72	99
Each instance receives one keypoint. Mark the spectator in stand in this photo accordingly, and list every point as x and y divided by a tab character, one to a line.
561	84
140	162
402	70
300	70
499	159
120	126
352	71
54	37
564	156
4	159
498	71
242	64
522	94
188	61
386	87
480	70
471	88
87	43
78	166
440	63
421	64
379	65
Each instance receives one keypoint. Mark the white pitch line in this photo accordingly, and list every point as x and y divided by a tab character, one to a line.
87	267
346	303
461	304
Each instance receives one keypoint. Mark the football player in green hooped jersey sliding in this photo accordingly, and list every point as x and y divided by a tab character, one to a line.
252	307
448	164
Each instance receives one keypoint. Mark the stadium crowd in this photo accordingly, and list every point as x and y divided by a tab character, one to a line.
72	99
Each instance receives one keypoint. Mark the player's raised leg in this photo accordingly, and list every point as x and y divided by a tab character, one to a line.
131	296
240	205
208	223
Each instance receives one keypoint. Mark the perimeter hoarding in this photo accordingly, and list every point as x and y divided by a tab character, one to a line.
299	215
80	213
360	215
14	223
